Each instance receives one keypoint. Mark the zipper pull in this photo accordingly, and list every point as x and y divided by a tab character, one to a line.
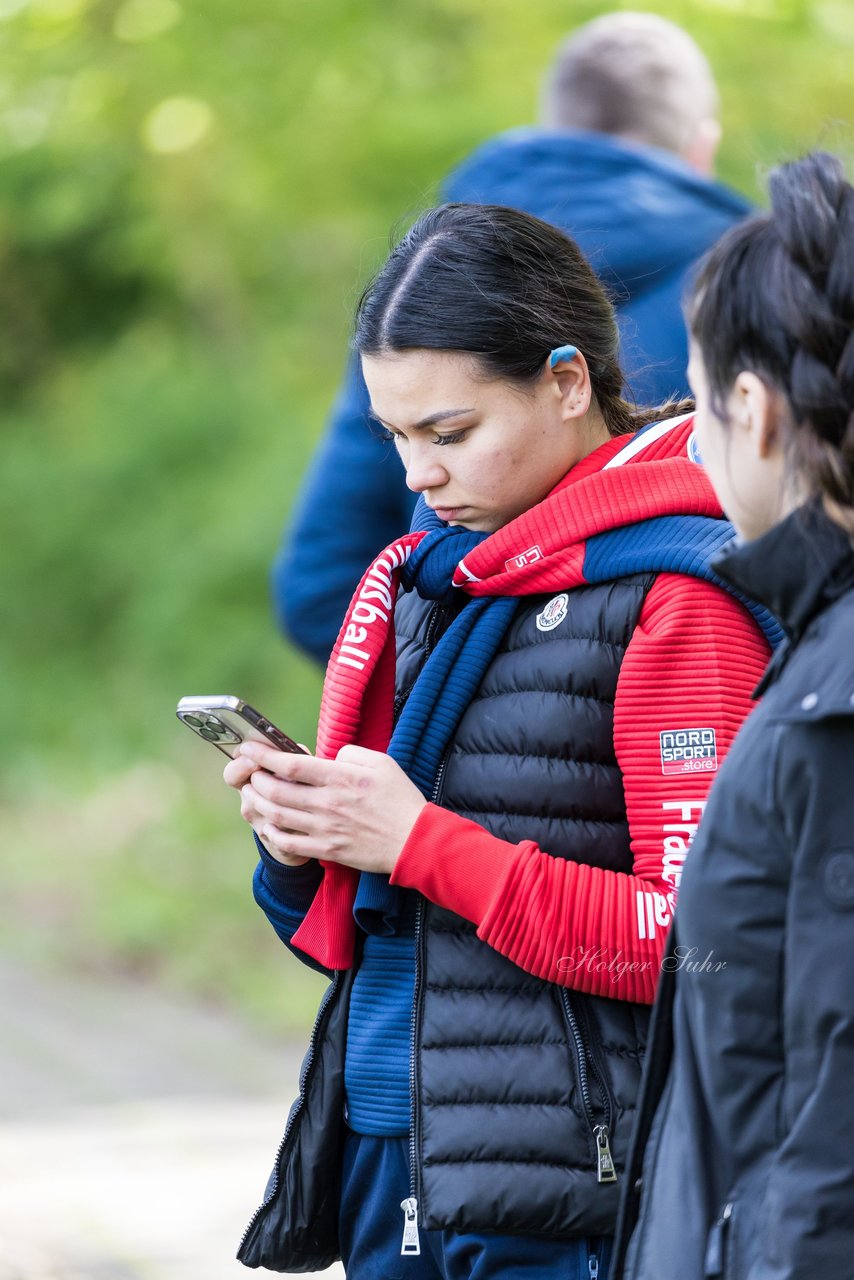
593	1267
605	1171
411	1245
714	1260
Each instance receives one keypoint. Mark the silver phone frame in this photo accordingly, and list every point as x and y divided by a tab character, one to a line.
239	718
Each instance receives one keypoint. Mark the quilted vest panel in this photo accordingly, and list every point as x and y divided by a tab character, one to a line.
513	1074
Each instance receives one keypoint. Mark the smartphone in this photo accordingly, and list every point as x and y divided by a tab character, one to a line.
227	721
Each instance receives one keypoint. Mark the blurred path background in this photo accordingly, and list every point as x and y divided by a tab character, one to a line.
136	1131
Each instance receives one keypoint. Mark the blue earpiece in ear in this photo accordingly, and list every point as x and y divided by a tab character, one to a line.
567	352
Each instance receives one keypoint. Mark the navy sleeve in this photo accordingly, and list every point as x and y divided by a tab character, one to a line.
353	502
285	894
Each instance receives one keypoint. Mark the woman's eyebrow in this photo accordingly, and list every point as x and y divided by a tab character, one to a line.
430	421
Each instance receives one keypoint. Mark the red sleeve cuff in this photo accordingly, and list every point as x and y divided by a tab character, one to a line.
454	862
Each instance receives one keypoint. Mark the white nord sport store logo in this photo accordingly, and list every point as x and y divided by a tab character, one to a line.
688	751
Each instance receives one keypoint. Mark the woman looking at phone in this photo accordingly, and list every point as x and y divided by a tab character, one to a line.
748	1171
492	891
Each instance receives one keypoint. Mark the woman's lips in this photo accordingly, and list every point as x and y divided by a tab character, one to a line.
449	513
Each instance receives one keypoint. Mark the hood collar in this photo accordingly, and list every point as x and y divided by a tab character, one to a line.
797	568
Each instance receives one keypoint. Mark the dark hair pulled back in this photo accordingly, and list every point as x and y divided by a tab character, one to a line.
503	287
775	297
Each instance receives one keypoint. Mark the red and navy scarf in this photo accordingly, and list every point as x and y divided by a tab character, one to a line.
636	504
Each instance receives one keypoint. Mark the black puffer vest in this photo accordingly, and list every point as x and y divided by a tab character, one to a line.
519	1086
516	1079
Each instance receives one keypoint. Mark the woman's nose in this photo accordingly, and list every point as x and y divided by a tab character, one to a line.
423	472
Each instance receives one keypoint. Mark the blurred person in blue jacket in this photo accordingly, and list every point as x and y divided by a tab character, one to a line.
622	160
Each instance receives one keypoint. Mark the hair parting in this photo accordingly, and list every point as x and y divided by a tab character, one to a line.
505	288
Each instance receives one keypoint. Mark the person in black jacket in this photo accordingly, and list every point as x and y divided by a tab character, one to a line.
741	1164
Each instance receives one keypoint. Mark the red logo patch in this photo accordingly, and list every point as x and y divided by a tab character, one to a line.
531	556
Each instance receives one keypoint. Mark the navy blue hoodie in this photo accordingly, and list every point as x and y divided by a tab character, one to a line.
641	216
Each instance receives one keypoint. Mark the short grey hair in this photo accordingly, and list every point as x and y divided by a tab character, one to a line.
634	75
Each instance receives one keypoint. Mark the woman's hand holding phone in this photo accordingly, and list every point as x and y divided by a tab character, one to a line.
357	809
238	774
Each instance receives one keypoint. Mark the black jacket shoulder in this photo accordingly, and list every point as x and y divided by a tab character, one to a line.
818	680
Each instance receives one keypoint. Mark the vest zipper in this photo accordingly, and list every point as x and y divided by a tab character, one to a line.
400	698
307	1064
410	1205
411	1245
587	1066
432	624
605	1163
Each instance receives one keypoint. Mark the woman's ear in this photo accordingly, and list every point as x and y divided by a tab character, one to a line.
571	382
756	410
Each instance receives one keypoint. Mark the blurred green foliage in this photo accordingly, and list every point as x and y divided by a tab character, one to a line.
190	197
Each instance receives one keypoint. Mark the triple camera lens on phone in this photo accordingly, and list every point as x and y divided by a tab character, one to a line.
210	727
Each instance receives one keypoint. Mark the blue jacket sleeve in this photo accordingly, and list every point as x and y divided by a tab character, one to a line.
285	894
353	502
